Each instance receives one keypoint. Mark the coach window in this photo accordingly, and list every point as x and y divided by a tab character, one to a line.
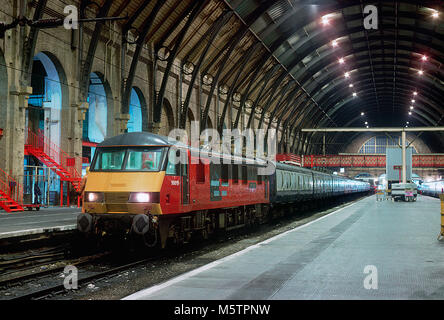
200	172
244	175
235	173
225	173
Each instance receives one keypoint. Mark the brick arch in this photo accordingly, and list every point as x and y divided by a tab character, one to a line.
167	118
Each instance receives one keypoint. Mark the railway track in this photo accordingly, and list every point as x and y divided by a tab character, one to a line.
60	288
89	266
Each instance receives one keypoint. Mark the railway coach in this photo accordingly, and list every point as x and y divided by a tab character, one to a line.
136	188
433	188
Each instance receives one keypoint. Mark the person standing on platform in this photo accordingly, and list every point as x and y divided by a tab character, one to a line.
37	192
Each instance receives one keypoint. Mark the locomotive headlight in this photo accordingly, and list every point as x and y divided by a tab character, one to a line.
139	197
94	196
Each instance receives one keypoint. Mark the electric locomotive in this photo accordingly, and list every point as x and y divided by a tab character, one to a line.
134	184
137	187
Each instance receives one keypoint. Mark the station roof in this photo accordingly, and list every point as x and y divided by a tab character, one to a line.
305	63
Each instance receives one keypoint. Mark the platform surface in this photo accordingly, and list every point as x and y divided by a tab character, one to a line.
325	259
34	222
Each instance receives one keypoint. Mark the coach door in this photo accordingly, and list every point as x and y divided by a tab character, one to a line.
184	170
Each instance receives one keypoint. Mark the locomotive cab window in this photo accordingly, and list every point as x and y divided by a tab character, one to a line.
109	160
143	160
125	159
172	168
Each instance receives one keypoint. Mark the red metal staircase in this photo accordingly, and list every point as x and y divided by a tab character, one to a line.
11	193
53	157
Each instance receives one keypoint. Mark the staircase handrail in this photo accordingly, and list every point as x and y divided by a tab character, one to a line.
10	186
40	141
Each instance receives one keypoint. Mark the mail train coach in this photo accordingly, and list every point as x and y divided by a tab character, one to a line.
135	188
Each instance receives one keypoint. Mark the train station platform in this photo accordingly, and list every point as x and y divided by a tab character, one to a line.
394	242
47	220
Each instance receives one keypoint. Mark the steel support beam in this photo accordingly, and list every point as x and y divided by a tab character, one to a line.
196	9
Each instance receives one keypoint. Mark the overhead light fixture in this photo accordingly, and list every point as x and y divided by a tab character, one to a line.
415	93
408	122
435	14
347	74
324	20
411	107
410	113
341	60
362	113
367	127
424	57
421	72
350	85
334	43
413	100
354	94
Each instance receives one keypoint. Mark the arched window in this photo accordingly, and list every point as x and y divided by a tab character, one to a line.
135	112
379	144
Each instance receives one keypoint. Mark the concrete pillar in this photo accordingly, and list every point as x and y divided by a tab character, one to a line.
16	100
404	160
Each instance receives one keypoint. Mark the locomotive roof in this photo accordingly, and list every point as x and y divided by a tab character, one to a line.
137	139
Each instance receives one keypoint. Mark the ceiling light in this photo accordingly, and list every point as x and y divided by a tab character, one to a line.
325	20
415	93
411	107
410	113
435	14
424	58
408	122
334	43
362	113
366	122
413	100
420	72
341	60
350	85
354	94
367	127
347	74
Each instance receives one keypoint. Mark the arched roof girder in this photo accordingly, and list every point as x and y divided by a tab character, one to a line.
375	69
405	93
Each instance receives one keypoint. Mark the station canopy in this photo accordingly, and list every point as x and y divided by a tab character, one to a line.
304	63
